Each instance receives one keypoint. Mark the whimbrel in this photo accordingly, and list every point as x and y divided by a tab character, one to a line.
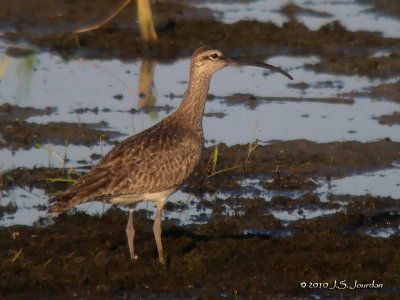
153	164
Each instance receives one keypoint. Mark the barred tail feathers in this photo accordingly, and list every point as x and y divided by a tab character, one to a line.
90	186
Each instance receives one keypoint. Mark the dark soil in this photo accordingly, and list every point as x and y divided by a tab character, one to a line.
389	91
178	35
291	165
292	10
362	65
390	119
306	159
67	16
242	250
385	7
87	257
251	101
16	132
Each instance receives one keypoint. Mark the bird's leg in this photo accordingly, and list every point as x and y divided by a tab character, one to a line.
130	232
157	230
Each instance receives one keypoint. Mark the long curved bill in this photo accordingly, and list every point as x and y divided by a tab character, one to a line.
237	62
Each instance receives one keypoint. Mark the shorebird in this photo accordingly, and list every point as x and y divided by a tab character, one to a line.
153	164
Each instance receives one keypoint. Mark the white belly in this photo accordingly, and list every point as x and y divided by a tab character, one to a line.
127	199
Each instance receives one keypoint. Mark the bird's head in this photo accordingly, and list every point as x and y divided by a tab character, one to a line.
206	60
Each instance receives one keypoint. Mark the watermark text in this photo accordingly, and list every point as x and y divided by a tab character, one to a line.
341	285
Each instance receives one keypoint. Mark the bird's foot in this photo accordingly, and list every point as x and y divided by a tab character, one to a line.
134	257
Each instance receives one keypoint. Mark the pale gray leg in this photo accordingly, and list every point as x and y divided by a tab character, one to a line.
157	230
130	232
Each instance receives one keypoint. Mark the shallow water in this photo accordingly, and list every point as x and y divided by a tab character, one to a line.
70	86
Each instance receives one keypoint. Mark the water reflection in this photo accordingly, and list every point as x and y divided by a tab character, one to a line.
147	93
24	70
4	61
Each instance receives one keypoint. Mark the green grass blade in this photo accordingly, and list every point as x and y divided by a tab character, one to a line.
215	158
58	179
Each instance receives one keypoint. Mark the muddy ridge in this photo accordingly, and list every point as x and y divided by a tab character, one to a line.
86	256
120	37
361	65
341	51
389	91
390	119
16	132
251	101
387	7
291	165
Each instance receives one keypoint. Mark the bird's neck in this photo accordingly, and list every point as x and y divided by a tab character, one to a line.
192	106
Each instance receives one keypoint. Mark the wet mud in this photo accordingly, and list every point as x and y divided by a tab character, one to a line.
386	7
361	65
290	164
251	101
67	16
16	132
38	177
292	10
176	35
390	119
86	256
306	158
390	91
240	248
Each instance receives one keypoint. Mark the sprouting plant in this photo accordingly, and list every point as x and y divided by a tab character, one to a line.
133	129
1	181
331	159
252	144
214	159
4	62
102	136
52	152
65	155
71	170
60	179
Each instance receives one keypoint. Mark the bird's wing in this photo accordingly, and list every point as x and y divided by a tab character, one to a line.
140	164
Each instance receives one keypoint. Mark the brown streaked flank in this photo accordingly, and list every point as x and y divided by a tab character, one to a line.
153	164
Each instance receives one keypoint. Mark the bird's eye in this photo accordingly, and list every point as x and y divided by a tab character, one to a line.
214	56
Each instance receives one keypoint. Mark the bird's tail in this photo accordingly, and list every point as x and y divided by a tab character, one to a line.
88	187
62	202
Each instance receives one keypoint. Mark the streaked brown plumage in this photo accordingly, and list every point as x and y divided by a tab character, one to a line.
153	164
